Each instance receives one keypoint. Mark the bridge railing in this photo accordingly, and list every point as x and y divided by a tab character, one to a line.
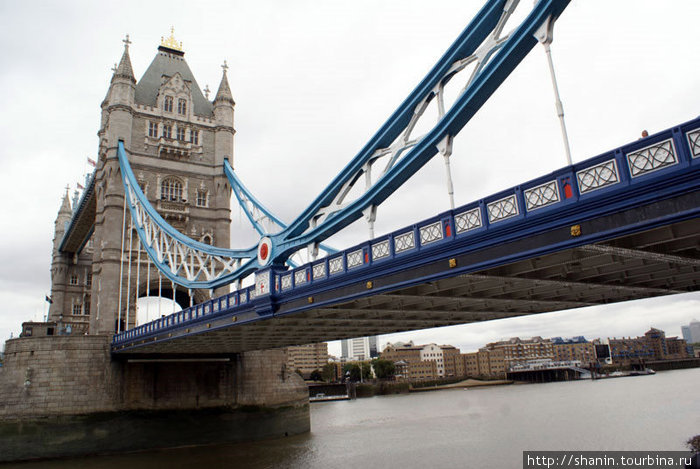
617	173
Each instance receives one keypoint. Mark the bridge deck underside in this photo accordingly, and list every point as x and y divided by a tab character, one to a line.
659	261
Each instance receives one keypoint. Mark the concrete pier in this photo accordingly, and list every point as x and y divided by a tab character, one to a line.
66	396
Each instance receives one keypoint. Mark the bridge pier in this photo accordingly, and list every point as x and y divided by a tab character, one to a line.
66	396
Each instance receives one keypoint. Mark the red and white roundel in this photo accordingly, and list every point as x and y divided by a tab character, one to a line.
264	250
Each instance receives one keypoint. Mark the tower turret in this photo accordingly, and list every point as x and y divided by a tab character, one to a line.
223	114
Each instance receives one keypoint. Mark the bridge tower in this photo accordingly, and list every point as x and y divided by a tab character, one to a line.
176	141
71	279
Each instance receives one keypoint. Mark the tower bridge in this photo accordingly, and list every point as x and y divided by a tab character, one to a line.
154	219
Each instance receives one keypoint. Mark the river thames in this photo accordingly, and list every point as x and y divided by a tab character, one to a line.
474	428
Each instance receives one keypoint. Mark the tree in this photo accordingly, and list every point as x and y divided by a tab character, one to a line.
384	369
315	376
354	369
328	372
694	444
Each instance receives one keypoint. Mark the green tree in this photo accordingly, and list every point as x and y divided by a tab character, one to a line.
384	369
328	372
315	376
694	444
351	371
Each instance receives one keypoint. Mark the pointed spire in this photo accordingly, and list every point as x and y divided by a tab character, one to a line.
224	93
65	205
124	68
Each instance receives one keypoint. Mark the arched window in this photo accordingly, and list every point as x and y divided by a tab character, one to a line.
182	106
171	189
168	104
206	239
201	200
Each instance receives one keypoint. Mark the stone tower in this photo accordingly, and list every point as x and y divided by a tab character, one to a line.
71	279
176	141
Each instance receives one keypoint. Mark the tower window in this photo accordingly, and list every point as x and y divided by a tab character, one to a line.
77	309
201	198
194	137
181	134
168	104
168	131
182	106
88	279
171	189
73	279
86	309
152	129
206	239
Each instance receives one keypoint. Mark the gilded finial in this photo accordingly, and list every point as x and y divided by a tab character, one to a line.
206	91
126	42
114	69
171	43
225	67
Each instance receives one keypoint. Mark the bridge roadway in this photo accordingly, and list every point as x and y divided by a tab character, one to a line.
620	226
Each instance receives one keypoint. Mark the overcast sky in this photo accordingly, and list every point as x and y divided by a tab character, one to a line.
312	83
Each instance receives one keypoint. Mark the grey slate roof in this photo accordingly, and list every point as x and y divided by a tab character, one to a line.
166	63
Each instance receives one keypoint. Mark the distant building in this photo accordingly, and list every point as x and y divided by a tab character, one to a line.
418	362
654	345
691	332
307	358
361	348
576	349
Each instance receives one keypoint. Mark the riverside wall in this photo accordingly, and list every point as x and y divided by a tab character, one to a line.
66	396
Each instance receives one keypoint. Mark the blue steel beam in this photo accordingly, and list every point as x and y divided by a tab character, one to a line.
640	186
487	79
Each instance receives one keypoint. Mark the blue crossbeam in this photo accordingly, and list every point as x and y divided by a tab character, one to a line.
662	166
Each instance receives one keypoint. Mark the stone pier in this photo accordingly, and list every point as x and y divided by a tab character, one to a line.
66	396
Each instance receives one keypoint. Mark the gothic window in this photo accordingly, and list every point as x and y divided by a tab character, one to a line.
153	129
171	189
206	239
88	279
194	137
201	199
182	106
77	309
181	134
73	279
86	309
168	131
168	104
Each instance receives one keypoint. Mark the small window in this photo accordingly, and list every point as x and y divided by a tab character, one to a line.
77	309
171	189
194	137
201	198
88	279
182	106
73	279
181	134
153	129
206	239
168	131
86	309
168	104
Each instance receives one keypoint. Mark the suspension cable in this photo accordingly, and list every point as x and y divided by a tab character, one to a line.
128	276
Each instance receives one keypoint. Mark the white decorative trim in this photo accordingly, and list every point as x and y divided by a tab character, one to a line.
502	209
380	250
430	233
404	242
286	282
694	142
335	265
354	259
597	177
652	158
300	277
469	220
542	195
319	270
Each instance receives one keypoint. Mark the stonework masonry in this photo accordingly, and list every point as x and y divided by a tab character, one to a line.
71	384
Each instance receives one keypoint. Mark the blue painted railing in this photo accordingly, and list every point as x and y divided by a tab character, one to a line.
627	169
